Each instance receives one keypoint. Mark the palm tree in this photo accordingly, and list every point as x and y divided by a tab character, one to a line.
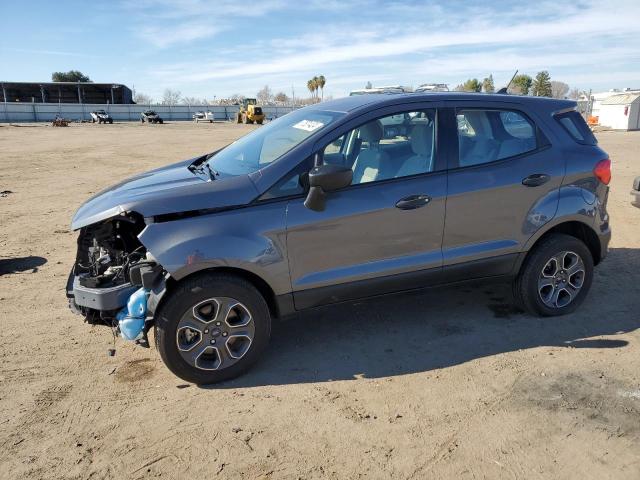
321	83
315	85
311	86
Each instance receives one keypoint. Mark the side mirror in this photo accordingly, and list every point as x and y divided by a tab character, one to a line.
326	178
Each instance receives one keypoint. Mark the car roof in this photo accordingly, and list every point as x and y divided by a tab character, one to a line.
357	102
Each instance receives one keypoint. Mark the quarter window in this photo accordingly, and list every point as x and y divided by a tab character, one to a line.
488	135
394	146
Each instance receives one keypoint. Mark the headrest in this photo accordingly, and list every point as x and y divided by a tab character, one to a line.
422	139
372	132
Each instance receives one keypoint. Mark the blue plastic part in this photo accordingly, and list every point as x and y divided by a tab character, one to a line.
131	318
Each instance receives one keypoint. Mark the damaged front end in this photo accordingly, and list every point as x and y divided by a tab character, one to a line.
115	281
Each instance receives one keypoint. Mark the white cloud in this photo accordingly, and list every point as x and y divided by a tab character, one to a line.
408	42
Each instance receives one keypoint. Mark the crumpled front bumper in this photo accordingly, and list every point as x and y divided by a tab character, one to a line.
111	299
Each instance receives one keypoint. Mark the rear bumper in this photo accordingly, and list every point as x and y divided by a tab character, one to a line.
605	238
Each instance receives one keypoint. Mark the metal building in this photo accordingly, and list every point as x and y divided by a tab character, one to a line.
621	112
65	92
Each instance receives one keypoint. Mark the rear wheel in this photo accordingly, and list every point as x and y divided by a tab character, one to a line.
212	328
111	121
259	122
556	276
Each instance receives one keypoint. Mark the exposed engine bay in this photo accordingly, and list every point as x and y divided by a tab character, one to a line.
113	275
108	250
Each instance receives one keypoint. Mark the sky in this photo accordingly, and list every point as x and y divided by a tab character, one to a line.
216	48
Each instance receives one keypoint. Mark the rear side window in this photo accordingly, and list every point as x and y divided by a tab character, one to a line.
485	136
576	127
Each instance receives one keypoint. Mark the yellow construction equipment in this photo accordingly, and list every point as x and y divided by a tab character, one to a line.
250	112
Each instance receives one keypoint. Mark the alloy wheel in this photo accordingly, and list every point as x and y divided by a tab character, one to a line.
561	279
215	333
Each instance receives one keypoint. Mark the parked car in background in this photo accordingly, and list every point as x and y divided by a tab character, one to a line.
100	116
636	192
385	89
203	117
150	116
432	87
340	201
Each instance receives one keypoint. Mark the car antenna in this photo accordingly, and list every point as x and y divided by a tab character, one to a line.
505	90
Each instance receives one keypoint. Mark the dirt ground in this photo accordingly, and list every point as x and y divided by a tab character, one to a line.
449	383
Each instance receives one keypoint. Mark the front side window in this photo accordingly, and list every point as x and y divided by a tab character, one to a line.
394	146
266	144
485	136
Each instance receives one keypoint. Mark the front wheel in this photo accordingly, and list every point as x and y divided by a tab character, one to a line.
212	328
555	277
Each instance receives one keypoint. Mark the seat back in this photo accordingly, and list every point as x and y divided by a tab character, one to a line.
422	145
366	168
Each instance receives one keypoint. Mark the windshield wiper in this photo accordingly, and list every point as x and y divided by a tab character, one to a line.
204	168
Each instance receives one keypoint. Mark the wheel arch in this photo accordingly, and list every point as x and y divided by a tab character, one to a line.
273	302
574	228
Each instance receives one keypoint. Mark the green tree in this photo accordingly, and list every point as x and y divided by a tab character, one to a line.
487	85
70	76
542	85
311	85
471	85
321	83
521	84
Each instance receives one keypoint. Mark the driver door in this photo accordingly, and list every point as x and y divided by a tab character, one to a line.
383	233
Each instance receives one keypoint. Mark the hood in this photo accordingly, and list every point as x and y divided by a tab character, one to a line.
170	189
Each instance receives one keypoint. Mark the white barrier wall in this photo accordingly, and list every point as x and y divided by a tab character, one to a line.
46	112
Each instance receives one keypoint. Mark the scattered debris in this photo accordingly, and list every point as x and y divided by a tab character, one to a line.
4	193
60	122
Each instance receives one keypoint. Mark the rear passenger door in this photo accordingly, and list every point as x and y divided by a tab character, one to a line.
502	187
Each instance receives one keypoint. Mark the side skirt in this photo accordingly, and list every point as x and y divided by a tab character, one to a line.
499	268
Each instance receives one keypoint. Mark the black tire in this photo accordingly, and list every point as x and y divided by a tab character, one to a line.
111	121
93	120
527	290
259	122
160	121
141	120
189	294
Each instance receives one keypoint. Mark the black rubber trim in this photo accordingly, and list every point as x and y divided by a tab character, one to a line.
500	266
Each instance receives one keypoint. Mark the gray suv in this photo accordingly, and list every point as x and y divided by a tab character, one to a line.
343	200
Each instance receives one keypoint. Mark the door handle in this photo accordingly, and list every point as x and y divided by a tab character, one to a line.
412	202
536	180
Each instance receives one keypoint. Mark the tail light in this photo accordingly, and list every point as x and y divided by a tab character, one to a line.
602	171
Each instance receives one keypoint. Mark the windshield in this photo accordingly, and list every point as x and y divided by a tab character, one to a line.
266	144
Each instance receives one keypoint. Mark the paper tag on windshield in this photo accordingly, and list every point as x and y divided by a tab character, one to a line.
308	125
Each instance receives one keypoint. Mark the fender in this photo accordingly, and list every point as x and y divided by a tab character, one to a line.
572	207
253	241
